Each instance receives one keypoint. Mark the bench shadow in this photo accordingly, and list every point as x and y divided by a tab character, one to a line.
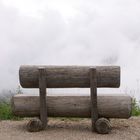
60	126
77	126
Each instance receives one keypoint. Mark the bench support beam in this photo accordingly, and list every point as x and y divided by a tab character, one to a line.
36	125
100	125
42	92
93	96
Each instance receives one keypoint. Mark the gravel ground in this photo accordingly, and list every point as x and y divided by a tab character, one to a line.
78	129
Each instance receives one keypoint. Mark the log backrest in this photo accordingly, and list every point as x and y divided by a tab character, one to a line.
69	76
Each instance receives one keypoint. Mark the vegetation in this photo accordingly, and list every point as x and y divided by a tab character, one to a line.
135	108
6	112
5	105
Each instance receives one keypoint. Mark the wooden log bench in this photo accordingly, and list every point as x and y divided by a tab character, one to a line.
99	107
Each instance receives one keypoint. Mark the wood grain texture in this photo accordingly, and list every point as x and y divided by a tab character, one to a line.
69	76
103	126
42	95
35	125
109	106
93	96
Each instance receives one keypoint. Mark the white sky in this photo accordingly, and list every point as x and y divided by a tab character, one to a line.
69	32
36	8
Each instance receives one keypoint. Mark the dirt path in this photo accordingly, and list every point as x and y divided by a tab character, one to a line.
71	130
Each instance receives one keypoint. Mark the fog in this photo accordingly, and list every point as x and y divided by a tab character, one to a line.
92	32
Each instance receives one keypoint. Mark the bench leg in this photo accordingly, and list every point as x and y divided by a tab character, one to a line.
93	96
35	125
43	106
100	125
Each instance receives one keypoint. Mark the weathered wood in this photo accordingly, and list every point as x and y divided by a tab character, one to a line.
34	125
109	106
93	96
70	76
102	126
42	93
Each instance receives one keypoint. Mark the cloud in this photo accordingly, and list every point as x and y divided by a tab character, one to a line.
100	33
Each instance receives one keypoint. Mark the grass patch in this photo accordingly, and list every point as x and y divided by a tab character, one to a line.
6	112
135	108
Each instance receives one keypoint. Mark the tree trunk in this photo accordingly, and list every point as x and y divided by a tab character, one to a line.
109	106
69	76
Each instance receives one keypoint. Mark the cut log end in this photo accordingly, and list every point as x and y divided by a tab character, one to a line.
102	126
34	125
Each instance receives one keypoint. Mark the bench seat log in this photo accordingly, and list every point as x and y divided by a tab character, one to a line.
109	106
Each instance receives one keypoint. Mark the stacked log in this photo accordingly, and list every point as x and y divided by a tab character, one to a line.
69	76
109	106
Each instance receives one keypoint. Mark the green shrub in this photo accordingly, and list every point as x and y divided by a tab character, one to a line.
135	108
6	112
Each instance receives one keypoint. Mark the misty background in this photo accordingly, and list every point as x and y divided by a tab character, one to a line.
69	32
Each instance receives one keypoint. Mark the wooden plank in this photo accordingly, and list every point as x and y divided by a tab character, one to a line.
93	96
109	106
43	101
69	76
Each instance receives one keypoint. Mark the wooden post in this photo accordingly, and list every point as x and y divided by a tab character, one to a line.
93	95
42	92
36	125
